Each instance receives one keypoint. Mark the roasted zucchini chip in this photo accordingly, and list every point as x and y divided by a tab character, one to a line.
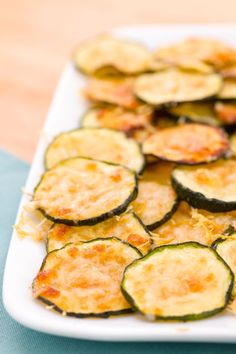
117	91
200	112
117	118
80	191
123	56
181	282
198	50
229	72
189	143
96	143
190	224
156	200
83	279
175	85
228	90
126	227
211	187
233	144
226	112
226	248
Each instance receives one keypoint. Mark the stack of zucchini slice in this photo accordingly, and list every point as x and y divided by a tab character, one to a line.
142	196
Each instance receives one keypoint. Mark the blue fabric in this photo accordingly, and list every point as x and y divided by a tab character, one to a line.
16	339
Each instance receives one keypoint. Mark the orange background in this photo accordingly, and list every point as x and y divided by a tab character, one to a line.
36	39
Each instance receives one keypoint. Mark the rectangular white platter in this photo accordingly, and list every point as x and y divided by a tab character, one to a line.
25	256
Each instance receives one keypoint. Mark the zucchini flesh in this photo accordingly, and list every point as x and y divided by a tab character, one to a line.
175	85
123	56
226	112
84	279
117	91
198	50
189	143
81	191
156	200
201	112
117	118
97	143
228	90
211	187
126	227
188	281
188	224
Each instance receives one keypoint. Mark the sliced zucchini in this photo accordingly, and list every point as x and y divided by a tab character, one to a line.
199	50
80	191
226	248
189	143
229	72
228	90
126	227
117	118
175	85
117	91
211	187
181	282
83	279
226	112
200	112
105	51
156	200
96	143
233	144
189	224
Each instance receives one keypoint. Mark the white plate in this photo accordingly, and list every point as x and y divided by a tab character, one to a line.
25	256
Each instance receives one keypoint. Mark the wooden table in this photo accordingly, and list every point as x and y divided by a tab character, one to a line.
37	37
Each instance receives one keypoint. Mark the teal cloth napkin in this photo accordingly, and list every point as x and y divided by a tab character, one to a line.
16	339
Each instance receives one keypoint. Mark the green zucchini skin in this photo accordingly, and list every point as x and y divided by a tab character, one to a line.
198	200
165	218
189	317
105	314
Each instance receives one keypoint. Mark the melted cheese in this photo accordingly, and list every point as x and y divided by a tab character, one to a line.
85	278
126	57
80	189
100	144
216	180
156	196
175	85
189	143
125	227
178	281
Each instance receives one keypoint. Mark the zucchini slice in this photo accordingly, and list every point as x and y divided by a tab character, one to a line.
228	90
226	112
189	224
123	56
181	282
175	85
126	227
117	91
156	200
117	118
232	141
226	248
80	191
211	187
189	143
199	50
200	112
96	143
83	279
